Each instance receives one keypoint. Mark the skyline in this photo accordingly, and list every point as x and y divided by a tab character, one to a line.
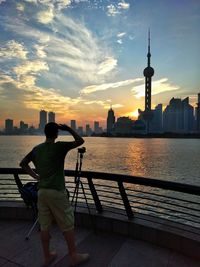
78	58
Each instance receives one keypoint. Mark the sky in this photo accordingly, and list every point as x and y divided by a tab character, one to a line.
78	58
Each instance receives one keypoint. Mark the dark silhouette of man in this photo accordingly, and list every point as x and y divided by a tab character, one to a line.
53	202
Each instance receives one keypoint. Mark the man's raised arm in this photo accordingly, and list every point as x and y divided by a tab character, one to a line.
78	139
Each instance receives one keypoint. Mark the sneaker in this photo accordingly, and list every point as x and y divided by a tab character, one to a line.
79	259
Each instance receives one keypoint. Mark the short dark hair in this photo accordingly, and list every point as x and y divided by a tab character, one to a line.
51	130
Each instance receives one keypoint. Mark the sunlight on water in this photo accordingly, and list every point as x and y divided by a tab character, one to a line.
168	159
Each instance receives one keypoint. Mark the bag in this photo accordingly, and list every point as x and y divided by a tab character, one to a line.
29	193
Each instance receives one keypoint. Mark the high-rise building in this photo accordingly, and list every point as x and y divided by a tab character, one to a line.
23	127
178	116
156	124
198	114
9	126
148	73
96	127
88	130
124	125
80	130
110	121
51	116
43	120
73	125
188	116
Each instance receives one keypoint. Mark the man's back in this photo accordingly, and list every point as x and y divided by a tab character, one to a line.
48	159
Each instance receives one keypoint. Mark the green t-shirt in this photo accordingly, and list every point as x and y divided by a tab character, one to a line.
48	159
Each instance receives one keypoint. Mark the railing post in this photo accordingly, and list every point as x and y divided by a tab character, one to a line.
94	195
127	205
17	180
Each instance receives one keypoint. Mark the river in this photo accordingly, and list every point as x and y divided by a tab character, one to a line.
168	159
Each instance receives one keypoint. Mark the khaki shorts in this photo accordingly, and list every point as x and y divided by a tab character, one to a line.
54	204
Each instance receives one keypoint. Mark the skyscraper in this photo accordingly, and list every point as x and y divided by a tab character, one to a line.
73	125
198	114
110	121
96	127
88	130
148	73
51	116
178	117
8	126
43	120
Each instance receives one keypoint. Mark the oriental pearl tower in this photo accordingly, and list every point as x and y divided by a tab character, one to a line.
148	73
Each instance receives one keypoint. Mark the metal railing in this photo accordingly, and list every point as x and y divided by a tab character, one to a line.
122	195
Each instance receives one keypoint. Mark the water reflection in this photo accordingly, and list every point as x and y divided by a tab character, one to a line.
168	159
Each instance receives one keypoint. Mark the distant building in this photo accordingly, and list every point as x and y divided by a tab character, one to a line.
188	116
124	126
110	121
9	126
23	128
73	124
51	116
88	130
148	74
156	124
80	130
198	114
43	120
178	117
97	128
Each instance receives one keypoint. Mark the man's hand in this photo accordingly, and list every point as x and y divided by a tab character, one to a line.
63	127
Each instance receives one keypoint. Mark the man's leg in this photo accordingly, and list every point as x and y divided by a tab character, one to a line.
49	256
74	257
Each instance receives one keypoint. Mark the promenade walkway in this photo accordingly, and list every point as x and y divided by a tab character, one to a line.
106	249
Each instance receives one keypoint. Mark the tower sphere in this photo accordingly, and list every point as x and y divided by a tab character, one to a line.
148	72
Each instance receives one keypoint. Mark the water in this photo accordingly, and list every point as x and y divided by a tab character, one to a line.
167	159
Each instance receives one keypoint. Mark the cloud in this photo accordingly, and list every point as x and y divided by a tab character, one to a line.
31	67
32	96
113	10
160	86
21	28
67	46
20	7
40	51
121	34
102	87
123	5
107	65
13	49
1	1
46	16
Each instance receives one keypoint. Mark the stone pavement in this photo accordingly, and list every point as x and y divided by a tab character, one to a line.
106	249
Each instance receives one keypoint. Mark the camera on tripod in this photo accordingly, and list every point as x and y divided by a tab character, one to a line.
81	150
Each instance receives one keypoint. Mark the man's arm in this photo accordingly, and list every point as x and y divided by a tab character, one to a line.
24	164
78	139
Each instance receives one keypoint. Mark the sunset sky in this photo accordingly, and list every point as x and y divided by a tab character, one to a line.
79	57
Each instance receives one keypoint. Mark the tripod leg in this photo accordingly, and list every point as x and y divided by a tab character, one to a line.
75	193
30	231
76	196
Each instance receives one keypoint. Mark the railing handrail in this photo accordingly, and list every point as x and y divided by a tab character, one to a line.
162	184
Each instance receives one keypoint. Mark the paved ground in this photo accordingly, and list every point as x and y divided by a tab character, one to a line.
105	249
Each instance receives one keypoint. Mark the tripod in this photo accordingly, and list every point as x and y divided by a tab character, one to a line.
78	182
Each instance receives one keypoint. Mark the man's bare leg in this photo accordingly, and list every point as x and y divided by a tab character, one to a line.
49	256
74	257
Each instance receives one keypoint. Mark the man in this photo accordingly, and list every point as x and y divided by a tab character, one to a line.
53	202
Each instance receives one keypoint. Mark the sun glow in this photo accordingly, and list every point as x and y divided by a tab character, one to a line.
133	114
